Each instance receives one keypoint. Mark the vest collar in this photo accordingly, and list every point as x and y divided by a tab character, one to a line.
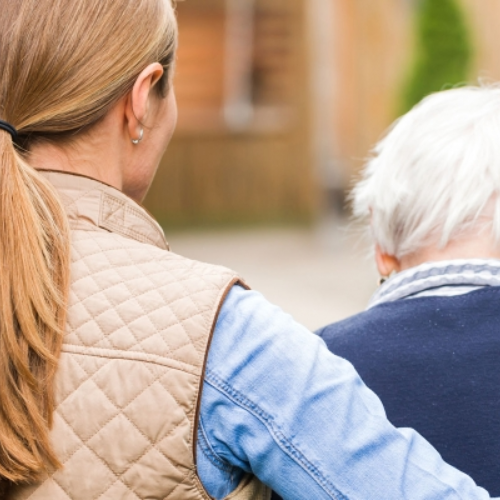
89	201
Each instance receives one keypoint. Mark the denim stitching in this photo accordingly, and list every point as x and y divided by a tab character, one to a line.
209	453
275	431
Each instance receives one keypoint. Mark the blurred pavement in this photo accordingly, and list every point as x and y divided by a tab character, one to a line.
318	275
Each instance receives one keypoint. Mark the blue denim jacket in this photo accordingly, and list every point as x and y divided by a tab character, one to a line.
278	404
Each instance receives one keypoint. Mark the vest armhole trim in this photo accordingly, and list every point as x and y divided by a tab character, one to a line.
229	286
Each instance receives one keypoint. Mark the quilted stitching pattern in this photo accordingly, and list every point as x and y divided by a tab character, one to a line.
139	320
124	421
122	299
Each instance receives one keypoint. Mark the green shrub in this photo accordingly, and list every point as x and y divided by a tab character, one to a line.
443	50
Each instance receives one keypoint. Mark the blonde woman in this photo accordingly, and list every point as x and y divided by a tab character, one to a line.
428	343
107	338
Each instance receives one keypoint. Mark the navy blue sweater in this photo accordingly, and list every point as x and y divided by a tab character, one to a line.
435	364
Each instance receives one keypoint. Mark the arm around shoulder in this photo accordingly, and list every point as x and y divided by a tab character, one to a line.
278	404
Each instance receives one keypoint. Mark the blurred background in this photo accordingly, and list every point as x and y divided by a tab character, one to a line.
280	102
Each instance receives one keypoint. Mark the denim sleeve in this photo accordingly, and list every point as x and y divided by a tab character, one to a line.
278	404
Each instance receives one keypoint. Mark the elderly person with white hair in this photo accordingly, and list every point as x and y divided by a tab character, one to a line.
429	342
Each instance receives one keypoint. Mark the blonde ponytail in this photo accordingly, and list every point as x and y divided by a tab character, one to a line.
34	280
61	73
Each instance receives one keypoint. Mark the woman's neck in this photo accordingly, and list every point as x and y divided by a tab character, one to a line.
95	153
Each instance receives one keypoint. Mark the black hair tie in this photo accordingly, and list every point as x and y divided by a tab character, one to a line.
10	129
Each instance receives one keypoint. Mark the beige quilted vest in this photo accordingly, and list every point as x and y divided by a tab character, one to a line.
140	320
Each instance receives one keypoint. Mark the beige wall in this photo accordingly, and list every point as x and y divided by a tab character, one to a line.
372	41
373	44
484	20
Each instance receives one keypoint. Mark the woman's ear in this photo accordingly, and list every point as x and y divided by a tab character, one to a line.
137	106
386	264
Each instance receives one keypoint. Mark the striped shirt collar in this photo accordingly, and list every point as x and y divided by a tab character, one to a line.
443	278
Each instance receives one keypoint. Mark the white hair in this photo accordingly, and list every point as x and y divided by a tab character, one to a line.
436	174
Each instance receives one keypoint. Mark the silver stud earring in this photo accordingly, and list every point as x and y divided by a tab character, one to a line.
139	139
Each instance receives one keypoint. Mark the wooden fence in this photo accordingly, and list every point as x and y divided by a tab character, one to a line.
320	99
260	170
